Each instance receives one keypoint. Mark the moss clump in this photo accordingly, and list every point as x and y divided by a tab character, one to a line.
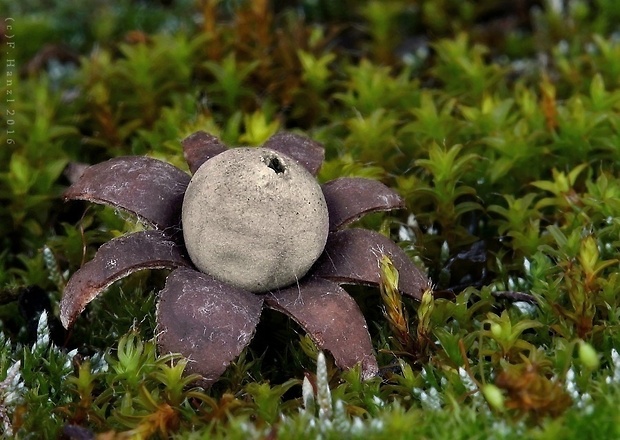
498	126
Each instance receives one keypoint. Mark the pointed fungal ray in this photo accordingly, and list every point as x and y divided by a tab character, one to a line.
308	153
331	318
349	198
115	260
352	256
199	147
149	188
207	321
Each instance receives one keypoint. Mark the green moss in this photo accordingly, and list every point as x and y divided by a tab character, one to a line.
498	127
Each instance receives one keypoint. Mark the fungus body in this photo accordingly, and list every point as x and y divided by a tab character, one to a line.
254	218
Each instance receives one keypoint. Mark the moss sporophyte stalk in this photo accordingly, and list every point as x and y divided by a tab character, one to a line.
259	232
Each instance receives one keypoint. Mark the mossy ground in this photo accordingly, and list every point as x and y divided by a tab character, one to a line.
498	122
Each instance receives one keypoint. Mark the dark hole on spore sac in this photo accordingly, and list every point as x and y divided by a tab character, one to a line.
275	164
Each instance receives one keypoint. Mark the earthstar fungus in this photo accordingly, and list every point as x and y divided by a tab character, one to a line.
208	312
255	218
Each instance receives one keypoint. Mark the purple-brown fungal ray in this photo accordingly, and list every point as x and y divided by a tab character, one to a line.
352	256
331	318
349	198
115	260
207	321
210	321
149	188
199	147
307	152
